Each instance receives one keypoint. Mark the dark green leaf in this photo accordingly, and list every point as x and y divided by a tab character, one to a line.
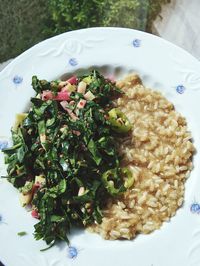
94	151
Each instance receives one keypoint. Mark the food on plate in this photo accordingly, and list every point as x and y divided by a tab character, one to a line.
158	152
109	156
64	159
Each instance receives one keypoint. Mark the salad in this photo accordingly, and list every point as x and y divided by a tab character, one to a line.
64	158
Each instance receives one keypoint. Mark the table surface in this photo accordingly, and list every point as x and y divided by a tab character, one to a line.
179	24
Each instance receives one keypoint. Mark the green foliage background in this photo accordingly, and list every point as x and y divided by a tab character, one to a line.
21	25
24	23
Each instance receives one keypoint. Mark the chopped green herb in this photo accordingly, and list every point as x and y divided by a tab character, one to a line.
68	140
23	233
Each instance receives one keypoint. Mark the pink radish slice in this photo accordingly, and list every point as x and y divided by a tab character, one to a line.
72	80
47	95
81	104
35	214
61	96
71	114
64	88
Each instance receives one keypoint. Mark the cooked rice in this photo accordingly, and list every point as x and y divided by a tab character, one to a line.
158	152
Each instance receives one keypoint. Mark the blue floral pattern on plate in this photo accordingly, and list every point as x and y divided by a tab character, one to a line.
3	144
195	208
2	221
73	62
180	89
17	80
72	252
136	43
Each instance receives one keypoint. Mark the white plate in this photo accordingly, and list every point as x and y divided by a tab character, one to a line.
116	51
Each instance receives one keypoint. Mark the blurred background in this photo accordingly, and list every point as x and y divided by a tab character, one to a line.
24	23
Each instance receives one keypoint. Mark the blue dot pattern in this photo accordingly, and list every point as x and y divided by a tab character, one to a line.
3	144
195	208
180	89
136	43
72	252
73	62
17	80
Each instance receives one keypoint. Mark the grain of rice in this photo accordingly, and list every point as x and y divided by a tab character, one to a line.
180	202
164	208
176	183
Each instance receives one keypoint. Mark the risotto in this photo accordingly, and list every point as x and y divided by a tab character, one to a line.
158	151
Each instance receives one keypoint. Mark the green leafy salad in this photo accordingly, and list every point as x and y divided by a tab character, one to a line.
64	158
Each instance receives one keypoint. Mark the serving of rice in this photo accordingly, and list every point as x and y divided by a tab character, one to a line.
159	152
